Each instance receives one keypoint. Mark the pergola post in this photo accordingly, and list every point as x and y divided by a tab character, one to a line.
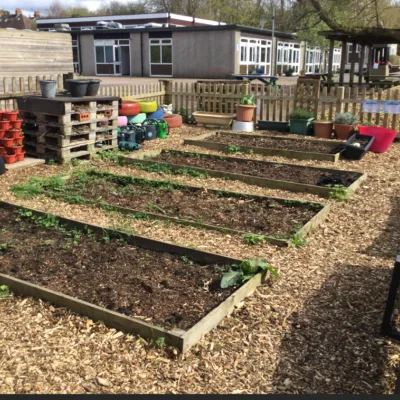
343	61
330	60
361	65
369	61
352	65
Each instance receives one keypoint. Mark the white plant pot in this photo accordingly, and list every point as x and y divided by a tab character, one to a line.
243	126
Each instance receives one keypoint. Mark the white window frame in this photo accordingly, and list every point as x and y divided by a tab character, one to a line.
116	45
153	42
313	60
251	49
288	56
75	43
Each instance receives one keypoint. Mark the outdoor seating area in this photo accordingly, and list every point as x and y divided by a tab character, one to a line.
164	236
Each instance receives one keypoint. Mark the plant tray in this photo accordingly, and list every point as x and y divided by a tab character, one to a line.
180	338
273	126
150	158
317	212
354	152
229	139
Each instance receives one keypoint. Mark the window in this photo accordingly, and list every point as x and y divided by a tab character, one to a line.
75	55
255	53
110	60
161	57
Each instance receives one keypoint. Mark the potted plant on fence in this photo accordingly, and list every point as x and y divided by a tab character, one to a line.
245	110
323	128
300	121
345	124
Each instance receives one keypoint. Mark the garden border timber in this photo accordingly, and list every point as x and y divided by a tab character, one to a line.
309	226
182	339
249	179
298	155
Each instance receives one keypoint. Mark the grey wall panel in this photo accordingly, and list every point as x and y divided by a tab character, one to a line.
86	43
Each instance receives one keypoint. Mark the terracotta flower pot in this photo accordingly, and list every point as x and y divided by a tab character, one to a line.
13	133
20	156
4	125
11	115
16	124
245	113
323	129
343	132
2	134
10	158
7	142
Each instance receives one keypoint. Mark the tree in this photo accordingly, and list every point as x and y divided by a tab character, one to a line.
117	8
56	9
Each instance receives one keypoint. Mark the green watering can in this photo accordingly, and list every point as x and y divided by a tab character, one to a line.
162	129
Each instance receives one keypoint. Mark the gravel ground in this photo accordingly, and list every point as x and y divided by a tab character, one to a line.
315	330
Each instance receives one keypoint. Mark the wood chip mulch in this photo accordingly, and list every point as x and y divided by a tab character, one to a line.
315	330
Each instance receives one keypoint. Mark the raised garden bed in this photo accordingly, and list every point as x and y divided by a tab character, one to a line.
278	221
298	148
295	178
134	284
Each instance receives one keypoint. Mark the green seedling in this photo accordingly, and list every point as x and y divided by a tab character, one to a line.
232	148
4	291
253	239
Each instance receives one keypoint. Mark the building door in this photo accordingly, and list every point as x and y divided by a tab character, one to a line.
112	57
161	57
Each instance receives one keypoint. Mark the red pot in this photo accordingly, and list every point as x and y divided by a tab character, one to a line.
2	133
4	125
129	108
20	156
18	140
11	115
14	150
383	137
6	142
16	124
14	133
10	158
2	151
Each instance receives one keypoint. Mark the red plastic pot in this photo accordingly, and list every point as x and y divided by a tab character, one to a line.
173	120
383	137
14	133
11	115
18	140
10	158
129	108
2	151
14	150
2	134
7	142
16	124
20	156
4	125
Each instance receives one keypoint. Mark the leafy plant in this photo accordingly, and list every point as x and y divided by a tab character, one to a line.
187	260
232	148
346	118
367	123
289	72
4	291
245	271
160	342
51	162
248	100
253	239
339	192
187	116
300	113
4	246
297	241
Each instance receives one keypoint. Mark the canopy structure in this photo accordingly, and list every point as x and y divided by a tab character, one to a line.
376	41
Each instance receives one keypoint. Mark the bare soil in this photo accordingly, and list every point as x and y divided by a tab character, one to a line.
281	172
312	146
256	215
156	286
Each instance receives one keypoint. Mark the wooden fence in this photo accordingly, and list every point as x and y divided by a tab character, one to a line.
273	103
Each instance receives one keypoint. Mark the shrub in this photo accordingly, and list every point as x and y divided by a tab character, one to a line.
300	113
346	118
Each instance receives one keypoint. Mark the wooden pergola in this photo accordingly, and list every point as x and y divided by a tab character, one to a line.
366	38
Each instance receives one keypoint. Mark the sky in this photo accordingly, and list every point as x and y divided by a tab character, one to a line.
29	6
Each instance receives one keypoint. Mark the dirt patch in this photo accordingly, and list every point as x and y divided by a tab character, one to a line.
281	172
312	146
166	289
242	213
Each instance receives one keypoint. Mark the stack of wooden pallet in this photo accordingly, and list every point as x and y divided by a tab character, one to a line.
64	128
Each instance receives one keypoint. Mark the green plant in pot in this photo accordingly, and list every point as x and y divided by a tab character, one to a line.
245	110
345	124
323	128
300	121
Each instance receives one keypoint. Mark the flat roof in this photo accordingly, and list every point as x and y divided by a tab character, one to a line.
127	17
241	28
367	36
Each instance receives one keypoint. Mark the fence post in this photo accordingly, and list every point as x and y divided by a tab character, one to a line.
167	88
339	99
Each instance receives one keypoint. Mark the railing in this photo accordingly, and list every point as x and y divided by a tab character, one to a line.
273	103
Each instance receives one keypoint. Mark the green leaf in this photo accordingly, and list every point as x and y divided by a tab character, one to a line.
231	278
252	266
